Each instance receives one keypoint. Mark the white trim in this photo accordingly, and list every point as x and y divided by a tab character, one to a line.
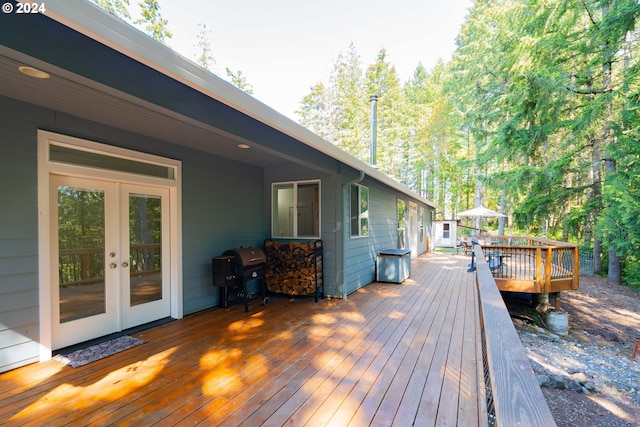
359	219
44	245
108	151
47	168
295	185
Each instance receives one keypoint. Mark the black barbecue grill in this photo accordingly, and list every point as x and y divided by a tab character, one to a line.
234	269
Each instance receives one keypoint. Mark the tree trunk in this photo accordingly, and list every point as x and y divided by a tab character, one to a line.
614	270
595	198
597	256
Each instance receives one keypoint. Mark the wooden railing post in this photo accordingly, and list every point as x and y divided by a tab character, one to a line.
576	267
539	273
549	266
547	270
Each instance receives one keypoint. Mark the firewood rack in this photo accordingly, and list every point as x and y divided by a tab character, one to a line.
307	255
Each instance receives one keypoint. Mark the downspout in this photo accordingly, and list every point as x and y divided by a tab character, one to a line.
354	181
342	204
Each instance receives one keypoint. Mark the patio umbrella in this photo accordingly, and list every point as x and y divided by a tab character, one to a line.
480	212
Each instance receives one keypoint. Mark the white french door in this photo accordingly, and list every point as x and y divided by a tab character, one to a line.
144	242
110	257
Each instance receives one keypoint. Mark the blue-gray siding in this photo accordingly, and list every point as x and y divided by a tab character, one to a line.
328	206
18	240
360	252
221	209
225	204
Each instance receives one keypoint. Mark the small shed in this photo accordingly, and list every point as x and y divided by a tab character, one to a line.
446	233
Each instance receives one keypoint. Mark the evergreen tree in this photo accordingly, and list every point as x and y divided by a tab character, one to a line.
538	113
393	148
118	8
240	81
314	111
204	55
339	110
154	24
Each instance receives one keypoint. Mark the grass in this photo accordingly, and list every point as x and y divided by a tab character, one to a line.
446	250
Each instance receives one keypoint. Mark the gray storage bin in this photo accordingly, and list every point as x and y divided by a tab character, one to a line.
393	265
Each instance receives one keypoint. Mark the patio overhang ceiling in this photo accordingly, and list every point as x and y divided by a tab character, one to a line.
76	96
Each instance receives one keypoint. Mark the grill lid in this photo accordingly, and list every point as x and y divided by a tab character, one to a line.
247	257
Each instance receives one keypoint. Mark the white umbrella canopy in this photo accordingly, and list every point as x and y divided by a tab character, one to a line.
481	211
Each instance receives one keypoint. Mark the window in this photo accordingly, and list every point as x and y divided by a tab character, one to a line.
421	223
108	161
402	207
359	211
296	209
445	230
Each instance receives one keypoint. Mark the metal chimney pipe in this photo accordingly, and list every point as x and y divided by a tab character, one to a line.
373	99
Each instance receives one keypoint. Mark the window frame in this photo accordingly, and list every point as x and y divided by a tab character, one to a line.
360	215
316	216
421	223
401	221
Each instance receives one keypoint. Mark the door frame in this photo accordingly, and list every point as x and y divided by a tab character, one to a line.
46	168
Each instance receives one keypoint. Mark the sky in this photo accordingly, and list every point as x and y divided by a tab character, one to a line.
283	47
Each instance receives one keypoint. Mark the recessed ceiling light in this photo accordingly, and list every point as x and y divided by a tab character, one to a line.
33	72
243	146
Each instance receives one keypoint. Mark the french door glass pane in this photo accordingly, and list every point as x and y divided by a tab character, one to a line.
145	260
81	215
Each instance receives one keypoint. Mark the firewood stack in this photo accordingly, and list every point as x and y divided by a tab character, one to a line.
292	267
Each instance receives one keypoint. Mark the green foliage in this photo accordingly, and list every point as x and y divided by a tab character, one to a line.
240	81
204	56
539	108
154	24
81	226
631	271
118	8
414	132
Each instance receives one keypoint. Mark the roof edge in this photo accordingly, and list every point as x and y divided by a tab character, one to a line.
90	20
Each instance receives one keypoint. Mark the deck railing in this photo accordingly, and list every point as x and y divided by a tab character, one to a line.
528	264
513	395
86	266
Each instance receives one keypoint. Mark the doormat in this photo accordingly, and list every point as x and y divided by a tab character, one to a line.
98	351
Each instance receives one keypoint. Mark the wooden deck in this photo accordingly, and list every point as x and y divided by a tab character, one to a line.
391	354
533	265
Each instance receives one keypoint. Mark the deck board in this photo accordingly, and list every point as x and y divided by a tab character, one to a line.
390	355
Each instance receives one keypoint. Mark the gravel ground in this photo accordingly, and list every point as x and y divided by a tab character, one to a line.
588	376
